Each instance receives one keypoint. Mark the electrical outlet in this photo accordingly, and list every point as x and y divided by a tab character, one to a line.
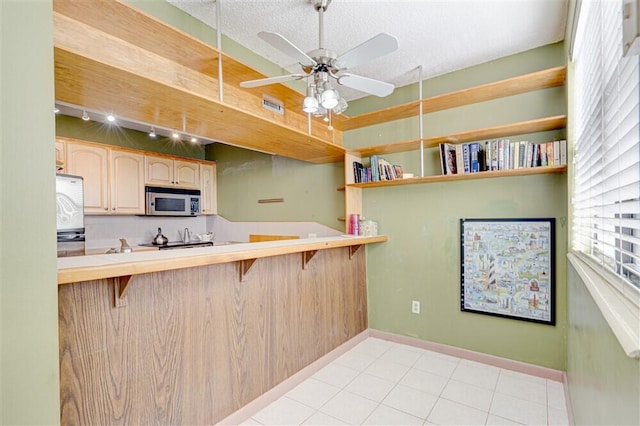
415	306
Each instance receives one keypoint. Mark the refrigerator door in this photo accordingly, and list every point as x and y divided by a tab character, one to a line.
69	204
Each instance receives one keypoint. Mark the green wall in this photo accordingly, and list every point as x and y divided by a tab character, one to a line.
604	382
29	382
309	190
421	260
94	131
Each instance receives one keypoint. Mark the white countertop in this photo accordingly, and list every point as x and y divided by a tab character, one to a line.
83	268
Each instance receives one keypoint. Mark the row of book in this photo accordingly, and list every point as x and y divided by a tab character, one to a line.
500	154
379	170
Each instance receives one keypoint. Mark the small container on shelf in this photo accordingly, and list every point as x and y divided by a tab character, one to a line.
368	227
354	224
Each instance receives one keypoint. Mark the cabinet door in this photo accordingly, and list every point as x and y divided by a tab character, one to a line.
127	183
61	157
187	174
158	171
209	196
91	163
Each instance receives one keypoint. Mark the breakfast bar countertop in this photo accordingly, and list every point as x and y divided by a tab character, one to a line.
85	268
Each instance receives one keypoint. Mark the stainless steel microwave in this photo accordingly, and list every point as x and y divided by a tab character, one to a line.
172	201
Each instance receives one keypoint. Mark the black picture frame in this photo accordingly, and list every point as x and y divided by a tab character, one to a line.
507	268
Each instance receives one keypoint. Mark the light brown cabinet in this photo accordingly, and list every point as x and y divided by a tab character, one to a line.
61	157
208	192
126	183
162	171
113	178
92	163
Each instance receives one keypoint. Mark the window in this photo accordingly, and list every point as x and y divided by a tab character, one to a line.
606	190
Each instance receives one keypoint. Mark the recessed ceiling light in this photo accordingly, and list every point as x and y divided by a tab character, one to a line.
56	110
175	135
194	139
111	118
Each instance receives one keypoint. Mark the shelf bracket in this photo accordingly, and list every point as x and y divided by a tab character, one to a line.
353	250
120	286
307	256
245	265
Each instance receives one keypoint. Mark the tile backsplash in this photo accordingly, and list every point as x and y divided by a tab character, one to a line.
106	231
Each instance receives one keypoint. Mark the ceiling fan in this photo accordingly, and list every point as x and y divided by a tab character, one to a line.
323	65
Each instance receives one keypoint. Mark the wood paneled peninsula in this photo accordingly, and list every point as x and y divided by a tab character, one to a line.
190	336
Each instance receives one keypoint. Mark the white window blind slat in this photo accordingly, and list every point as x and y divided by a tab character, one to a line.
606	190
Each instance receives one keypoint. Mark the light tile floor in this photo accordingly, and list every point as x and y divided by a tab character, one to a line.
384	383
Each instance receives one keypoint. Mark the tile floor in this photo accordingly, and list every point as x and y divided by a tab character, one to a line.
384	383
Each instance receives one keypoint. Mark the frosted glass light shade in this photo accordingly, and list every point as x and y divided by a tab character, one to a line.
310	104
329	98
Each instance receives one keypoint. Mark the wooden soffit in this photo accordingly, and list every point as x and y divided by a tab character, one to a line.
112	57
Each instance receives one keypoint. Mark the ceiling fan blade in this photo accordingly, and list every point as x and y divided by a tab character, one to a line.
375	47
367	85
271	80
279	42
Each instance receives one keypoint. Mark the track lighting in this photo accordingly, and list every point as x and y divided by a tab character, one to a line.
85	116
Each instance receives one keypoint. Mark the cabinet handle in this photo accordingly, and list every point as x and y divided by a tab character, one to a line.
106	209
114	209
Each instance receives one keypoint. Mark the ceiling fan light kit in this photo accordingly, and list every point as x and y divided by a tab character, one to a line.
321	64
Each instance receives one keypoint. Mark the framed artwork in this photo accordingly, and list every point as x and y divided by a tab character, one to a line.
507	268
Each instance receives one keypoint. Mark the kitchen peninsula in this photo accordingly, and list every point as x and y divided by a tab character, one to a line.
189	336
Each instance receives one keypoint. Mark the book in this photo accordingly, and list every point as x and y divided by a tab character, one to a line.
550	154
375	171
556	152
475	151
448	158
563	152
487	155
543	155
459	159
466	158
518	155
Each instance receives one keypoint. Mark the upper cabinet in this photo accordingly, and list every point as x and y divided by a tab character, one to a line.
92	163
126	183
208	191
162	171
114	178
61	157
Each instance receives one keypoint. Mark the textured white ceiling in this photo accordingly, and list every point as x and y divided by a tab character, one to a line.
442	36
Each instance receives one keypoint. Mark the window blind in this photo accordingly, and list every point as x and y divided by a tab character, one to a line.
606	190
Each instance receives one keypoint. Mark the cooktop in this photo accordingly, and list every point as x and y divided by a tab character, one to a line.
179	245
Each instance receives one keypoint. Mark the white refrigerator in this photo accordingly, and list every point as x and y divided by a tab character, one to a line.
70	215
